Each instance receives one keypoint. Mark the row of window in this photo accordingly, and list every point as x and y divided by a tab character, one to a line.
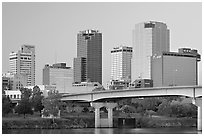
15	96
13	58
121	50
25	58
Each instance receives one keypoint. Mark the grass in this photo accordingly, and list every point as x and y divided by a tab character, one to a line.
80	120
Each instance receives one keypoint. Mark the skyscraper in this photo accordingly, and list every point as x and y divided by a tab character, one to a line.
58	75
149	39
88	64
23	62
121	63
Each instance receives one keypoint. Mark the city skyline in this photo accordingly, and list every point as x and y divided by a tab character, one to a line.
45	26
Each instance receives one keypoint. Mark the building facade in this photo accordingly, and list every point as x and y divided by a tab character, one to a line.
175	68
142	83
121	63
12	81
59	75
23	62
149	39
88	64
80	70
6	83
118	84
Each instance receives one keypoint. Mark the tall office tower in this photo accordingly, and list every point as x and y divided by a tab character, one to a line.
88	64
23	62
121	63
176	68
149	39
59	75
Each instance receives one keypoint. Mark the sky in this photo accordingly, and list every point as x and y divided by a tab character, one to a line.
53	28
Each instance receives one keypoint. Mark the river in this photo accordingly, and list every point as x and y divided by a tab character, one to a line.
105	131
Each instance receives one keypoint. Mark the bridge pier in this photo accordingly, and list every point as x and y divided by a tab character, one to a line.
98	121
198	103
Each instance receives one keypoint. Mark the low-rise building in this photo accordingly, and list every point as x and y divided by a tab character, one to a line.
118	84
13	94
142	83
85	87
12	81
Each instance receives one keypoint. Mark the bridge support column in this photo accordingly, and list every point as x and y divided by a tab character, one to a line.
97	107
110	107
97	117
198	103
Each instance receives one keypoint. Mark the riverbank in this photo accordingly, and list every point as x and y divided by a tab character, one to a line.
82	122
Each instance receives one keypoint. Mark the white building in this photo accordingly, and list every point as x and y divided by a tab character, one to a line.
149	39
13	94
121	63
16	94
23	62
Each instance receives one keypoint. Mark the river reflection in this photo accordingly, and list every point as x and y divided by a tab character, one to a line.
105	131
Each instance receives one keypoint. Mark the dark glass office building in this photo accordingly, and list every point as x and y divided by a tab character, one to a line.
88	64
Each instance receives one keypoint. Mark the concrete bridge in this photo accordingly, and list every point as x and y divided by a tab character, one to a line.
98	98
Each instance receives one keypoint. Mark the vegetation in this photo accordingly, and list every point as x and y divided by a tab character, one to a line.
30	101
172	111
24	106
36	99
42	123
52	105
6	105
88	122
165	106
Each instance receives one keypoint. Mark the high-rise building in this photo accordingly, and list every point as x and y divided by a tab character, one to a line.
88	64
59	75
175	68
23	62
149	39
121	63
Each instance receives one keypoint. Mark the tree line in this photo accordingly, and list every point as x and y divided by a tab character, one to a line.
34	101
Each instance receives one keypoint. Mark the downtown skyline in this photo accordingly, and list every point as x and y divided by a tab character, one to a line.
54	35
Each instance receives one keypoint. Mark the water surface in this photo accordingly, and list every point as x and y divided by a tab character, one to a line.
105	131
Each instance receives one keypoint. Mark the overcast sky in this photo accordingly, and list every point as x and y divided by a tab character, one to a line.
53	28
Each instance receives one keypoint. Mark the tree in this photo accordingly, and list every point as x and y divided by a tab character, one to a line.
180	109
164	108
128	109
150	103
36	99
52	105
6	105
24	106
